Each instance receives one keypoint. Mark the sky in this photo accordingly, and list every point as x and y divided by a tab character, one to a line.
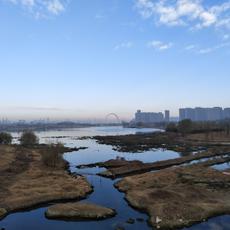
83	59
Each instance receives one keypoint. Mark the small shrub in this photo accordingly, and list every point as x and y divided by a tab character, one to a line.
171	127
52	156
5	138
185	126
28	138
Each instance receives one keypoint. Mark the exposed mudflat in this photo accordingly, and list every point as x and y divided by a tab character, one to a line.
79	211
168	140
139	142
120	167
27	182
179	197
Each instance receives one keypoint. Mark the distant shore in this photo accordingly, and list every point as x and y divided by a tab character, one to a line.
19	127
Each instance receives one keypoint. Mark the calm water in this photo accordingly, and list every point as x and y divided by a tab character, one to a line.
104	191
221	167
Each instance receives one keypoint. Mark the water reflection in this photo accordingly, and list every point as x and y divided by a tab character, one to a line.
222	167
104	191
216	223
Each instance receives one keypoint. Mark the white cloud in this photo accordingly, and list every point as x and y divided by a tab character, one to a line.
190	47
55	6
226	37
126	45
192	13
214	48
159	45
42	8
100	16
29	3
206	50
197	49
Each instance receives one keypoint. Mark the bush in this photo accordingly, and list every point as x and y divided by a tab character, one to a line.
171	127
28	138
5	138
185	126
52	156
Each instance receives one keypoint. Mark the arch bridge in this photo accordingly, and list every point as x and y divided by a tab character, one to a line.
114	115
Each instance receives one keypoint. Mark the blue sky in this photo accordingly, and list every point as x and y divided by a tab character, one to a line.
81	59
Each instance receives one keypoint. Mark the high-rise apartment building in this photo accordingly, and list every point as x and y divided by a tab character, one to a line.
151	117
204	114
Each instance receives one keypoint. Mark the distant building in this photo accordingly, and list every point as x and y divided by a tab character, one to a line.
167	116
214	114
227	113
151	117
201	114
187	113
204	114
4	121
182	114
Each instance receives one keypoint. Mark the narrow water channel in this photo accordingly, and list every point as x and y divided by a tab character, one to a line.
104	192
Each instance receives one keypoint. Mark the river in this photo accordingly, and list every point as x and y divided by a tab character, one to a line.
104	192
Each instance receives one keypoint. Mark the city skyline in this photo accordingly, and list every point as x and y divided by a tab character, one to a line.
204	114
83	59
195	114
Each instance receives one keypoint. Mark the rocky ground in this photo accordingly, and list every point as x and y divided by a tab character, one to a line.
79	211
26	181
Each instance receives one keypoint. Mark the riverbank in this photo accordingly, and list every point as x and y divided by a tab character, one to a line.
117	168
178	197
166	140
27	180
175	193
105	194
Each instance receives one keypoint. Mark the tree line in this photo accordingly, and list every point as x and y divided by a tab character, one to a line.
189	127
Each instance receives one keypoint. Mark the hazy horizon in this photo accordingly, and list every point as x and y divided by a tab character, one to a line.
81	60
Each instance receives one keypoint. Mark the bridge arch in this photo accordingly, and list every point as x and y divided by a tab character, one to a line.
113	115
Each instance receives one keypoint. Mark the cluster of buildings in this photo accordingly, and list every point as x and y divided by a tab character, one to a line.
204	114
194	114
4	121
151	117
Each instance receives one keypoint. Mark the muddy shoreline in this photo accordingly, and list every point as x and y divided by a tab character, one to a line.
118	168
165	140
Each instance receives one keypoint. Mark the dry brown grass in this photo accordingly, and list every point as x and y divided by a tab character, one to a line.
221	137
26	181
116	168
179	197
79	211
6	156
166	140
